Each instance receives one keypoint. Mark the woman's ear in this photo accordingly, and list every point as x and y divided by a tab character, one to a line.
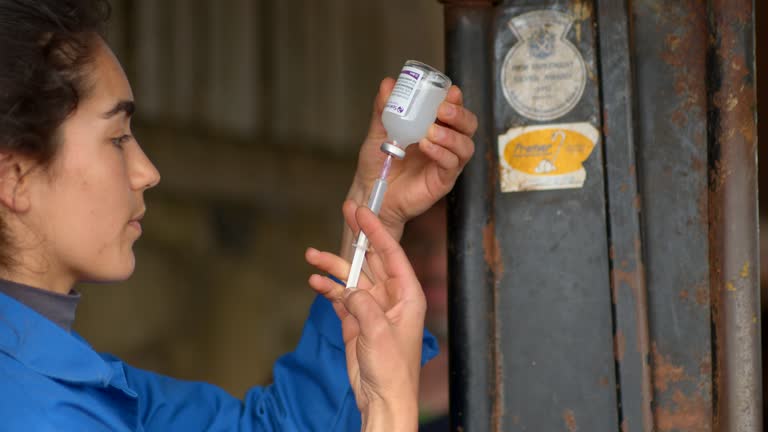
14	185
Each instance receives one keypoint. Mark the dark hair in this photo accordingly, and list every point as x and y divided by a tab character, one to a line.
44	48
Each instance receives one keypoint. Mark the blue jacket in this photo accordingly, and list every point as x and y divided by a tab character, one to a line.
51	380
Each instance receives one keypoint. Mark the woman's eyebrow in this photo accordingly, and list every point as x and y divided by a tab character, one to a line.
125	106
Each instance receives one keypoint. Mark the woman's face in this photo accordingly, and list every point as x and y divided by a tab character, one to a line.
86	208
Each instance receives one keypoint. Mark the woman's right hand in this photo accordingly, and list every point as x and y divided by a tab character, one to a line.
382	325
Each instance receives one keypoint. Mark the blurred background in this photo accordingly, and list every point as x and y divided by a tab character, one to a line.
253	111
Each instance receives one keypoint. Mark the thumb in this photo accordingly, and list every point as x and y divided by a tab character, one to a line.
385	89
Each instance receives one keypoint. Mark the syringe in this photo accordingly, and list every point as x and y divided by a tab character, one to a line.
374	203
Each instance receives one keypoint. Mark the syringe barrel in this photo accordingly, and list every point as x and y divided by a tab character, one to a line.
377	196
361	246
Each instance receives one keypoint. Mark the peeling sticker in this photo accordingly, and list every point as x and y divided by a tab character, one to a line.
543	75
545	157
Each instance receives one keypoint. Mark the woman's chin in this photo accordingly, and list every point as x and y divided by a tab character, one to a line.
116	273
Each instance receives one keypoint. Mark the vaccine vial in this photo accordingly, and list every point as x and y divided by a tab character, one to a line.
412	106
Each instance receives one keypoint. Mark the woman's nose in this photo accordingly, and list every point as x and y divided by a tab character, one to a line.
144	174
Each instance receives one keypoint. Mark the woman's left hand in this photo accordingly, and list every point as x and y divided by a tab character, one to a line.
429	170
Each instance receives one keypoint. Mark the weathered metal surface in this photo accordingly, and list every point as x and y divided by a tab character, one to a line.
630	303
473	387
553	311
670	53
629	291
733	217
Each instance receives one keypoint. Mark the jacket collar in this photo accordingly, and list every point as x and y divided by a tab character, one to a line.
46	348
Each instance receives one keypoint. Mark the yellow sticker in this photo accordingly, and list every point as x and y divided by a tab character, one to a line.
545	157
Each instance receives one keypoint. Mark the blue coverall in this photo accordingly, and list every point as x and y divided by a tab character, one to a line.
51	380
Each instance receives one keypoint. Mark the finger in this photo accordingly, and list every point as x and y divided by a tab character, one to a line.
368	313
457	143
395	262
334	265
326	288
445	159
458	117
455	95
385	89
375	266
348	209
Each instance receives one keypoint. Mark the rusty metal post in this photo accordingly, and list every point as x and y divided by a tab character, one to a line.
472	383
618	288
628	288
734	217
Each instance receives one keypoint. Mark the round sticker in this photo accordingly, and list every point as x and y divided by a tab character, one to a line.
543	75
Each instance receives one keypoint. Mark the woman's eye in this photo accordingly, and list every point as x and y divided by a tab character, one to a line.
118	142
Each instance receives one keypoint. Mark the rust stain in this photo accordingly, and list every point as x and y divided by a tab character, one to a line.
736	97
705	367
492	256
632	278
698	165
730	286
720	174
682	52
624	426
664	372
702	206
498	400
570	420
492	251
679	118
516	419
637	202
619	345
603	381
688	413
702	295
683	295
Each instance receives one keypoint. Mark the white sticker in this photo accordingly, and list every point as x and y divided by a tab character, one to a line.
402	95
543	75
545	157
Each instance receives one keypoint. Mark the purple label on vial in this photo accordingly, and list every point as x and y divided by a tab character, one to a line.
414	75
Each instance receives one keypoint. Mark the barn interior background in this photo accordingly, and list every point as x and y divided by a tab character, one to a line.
253	111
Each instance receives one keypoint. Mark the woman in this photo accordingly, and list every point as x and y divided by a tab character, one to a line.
72	179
